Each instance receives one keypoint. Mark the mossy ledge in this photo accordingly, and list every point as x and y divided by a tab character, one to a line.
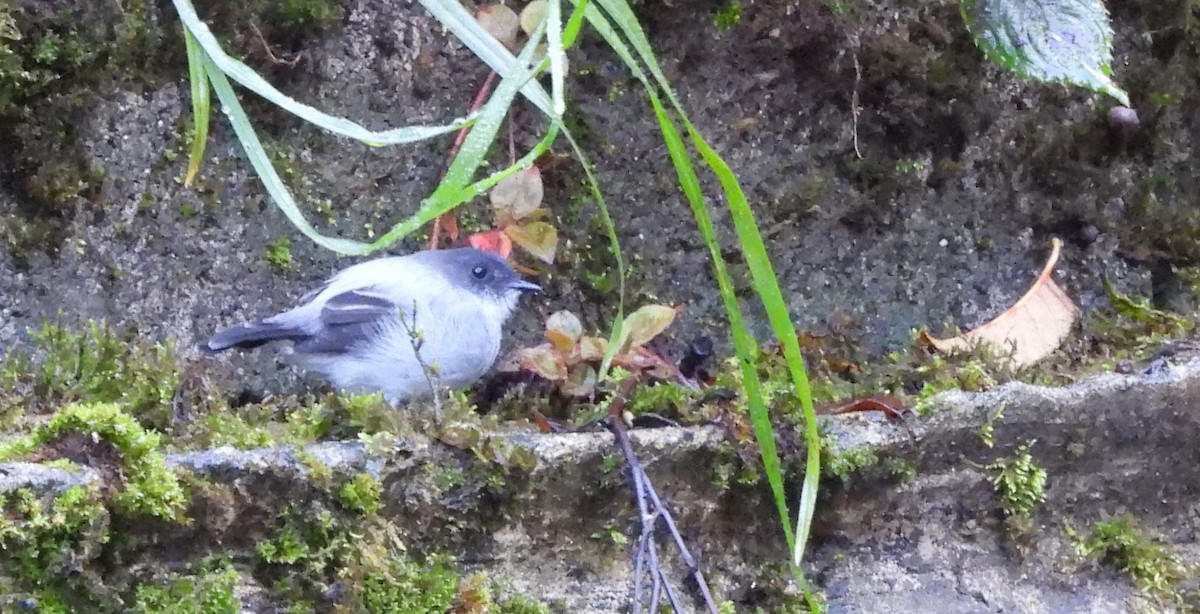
339	522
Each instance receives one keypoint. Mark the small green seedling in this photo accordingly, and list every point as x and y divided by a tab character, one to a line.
1020	482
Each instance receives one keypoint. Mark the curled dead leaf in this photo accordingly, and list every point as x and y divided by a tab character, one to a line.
517	196
1029	330
537	238
501	22
563	330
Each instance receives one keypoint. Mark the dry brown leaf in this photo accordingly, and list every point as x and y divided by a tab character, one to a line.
517	196
533	15
501	22
1031	329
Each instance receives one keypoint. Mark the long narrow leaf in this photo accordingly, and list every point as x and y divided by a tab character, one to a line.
250	79
744	344
266	171
762	273
614	244
201	106
558	59
453	190
463	25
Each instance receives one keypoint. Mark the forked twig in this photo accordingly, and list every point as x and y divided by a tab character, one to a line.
650	510
417	338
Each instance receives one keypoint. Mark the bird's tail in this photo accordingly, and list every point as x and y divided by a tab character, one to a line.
252	335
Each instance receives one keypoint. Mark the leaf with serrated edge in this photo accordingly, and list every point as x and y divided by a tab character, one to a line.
1029	330
1058	41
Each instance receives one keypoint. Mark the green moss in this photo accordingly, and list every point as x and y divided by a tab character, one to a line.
150	487
279	254
406	585
845	464
1149	564
1019	481
305	14
207	592
46	541
362	493
93	366
730	15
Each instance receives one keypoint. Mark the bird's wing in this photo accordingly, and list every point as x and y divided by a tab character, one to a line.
356	306
348	320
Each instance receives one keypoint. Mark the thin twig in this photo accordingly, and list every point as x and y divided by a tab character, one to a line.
271	55
417	339
650	510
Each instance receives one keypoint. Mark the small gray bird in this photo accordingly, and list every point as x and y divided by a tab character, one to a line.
358	328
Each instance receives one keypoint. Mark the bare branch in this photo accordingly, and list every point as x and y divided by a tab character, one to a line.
650	510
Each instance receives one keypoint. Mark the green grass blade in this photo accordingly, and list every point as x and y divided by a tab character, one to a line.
557	55
454	189
266	171
250	79
463	25
201	106
744	344
765	281
762	273
614	246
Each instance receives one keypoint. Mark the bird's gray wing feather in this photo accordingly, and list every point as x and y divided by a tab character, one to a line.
349	320
356	306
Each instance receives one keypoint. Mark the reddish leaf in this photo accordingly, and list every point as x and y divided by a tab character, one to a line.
518	195
494	241
537	238
581	382
563	329
545	424
501	22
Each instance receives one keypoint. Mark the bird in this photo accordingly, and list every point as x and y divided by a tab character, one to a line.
396	325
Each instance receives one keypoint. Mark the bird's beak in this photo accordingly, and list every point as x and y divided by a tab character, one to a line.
524	286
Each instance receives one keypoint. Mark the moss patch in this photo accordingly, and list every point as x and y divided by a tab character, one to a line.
1148	562
101	435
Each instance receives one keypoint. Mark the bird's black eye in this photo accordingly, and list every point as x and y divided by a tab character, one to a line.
479	272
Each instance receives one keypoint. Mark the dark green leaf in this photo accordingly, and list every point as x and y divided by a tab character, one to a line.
1058	41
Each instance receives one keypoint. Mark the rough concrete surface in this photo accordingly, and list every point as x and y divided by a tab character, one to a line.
1110	445
962	174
